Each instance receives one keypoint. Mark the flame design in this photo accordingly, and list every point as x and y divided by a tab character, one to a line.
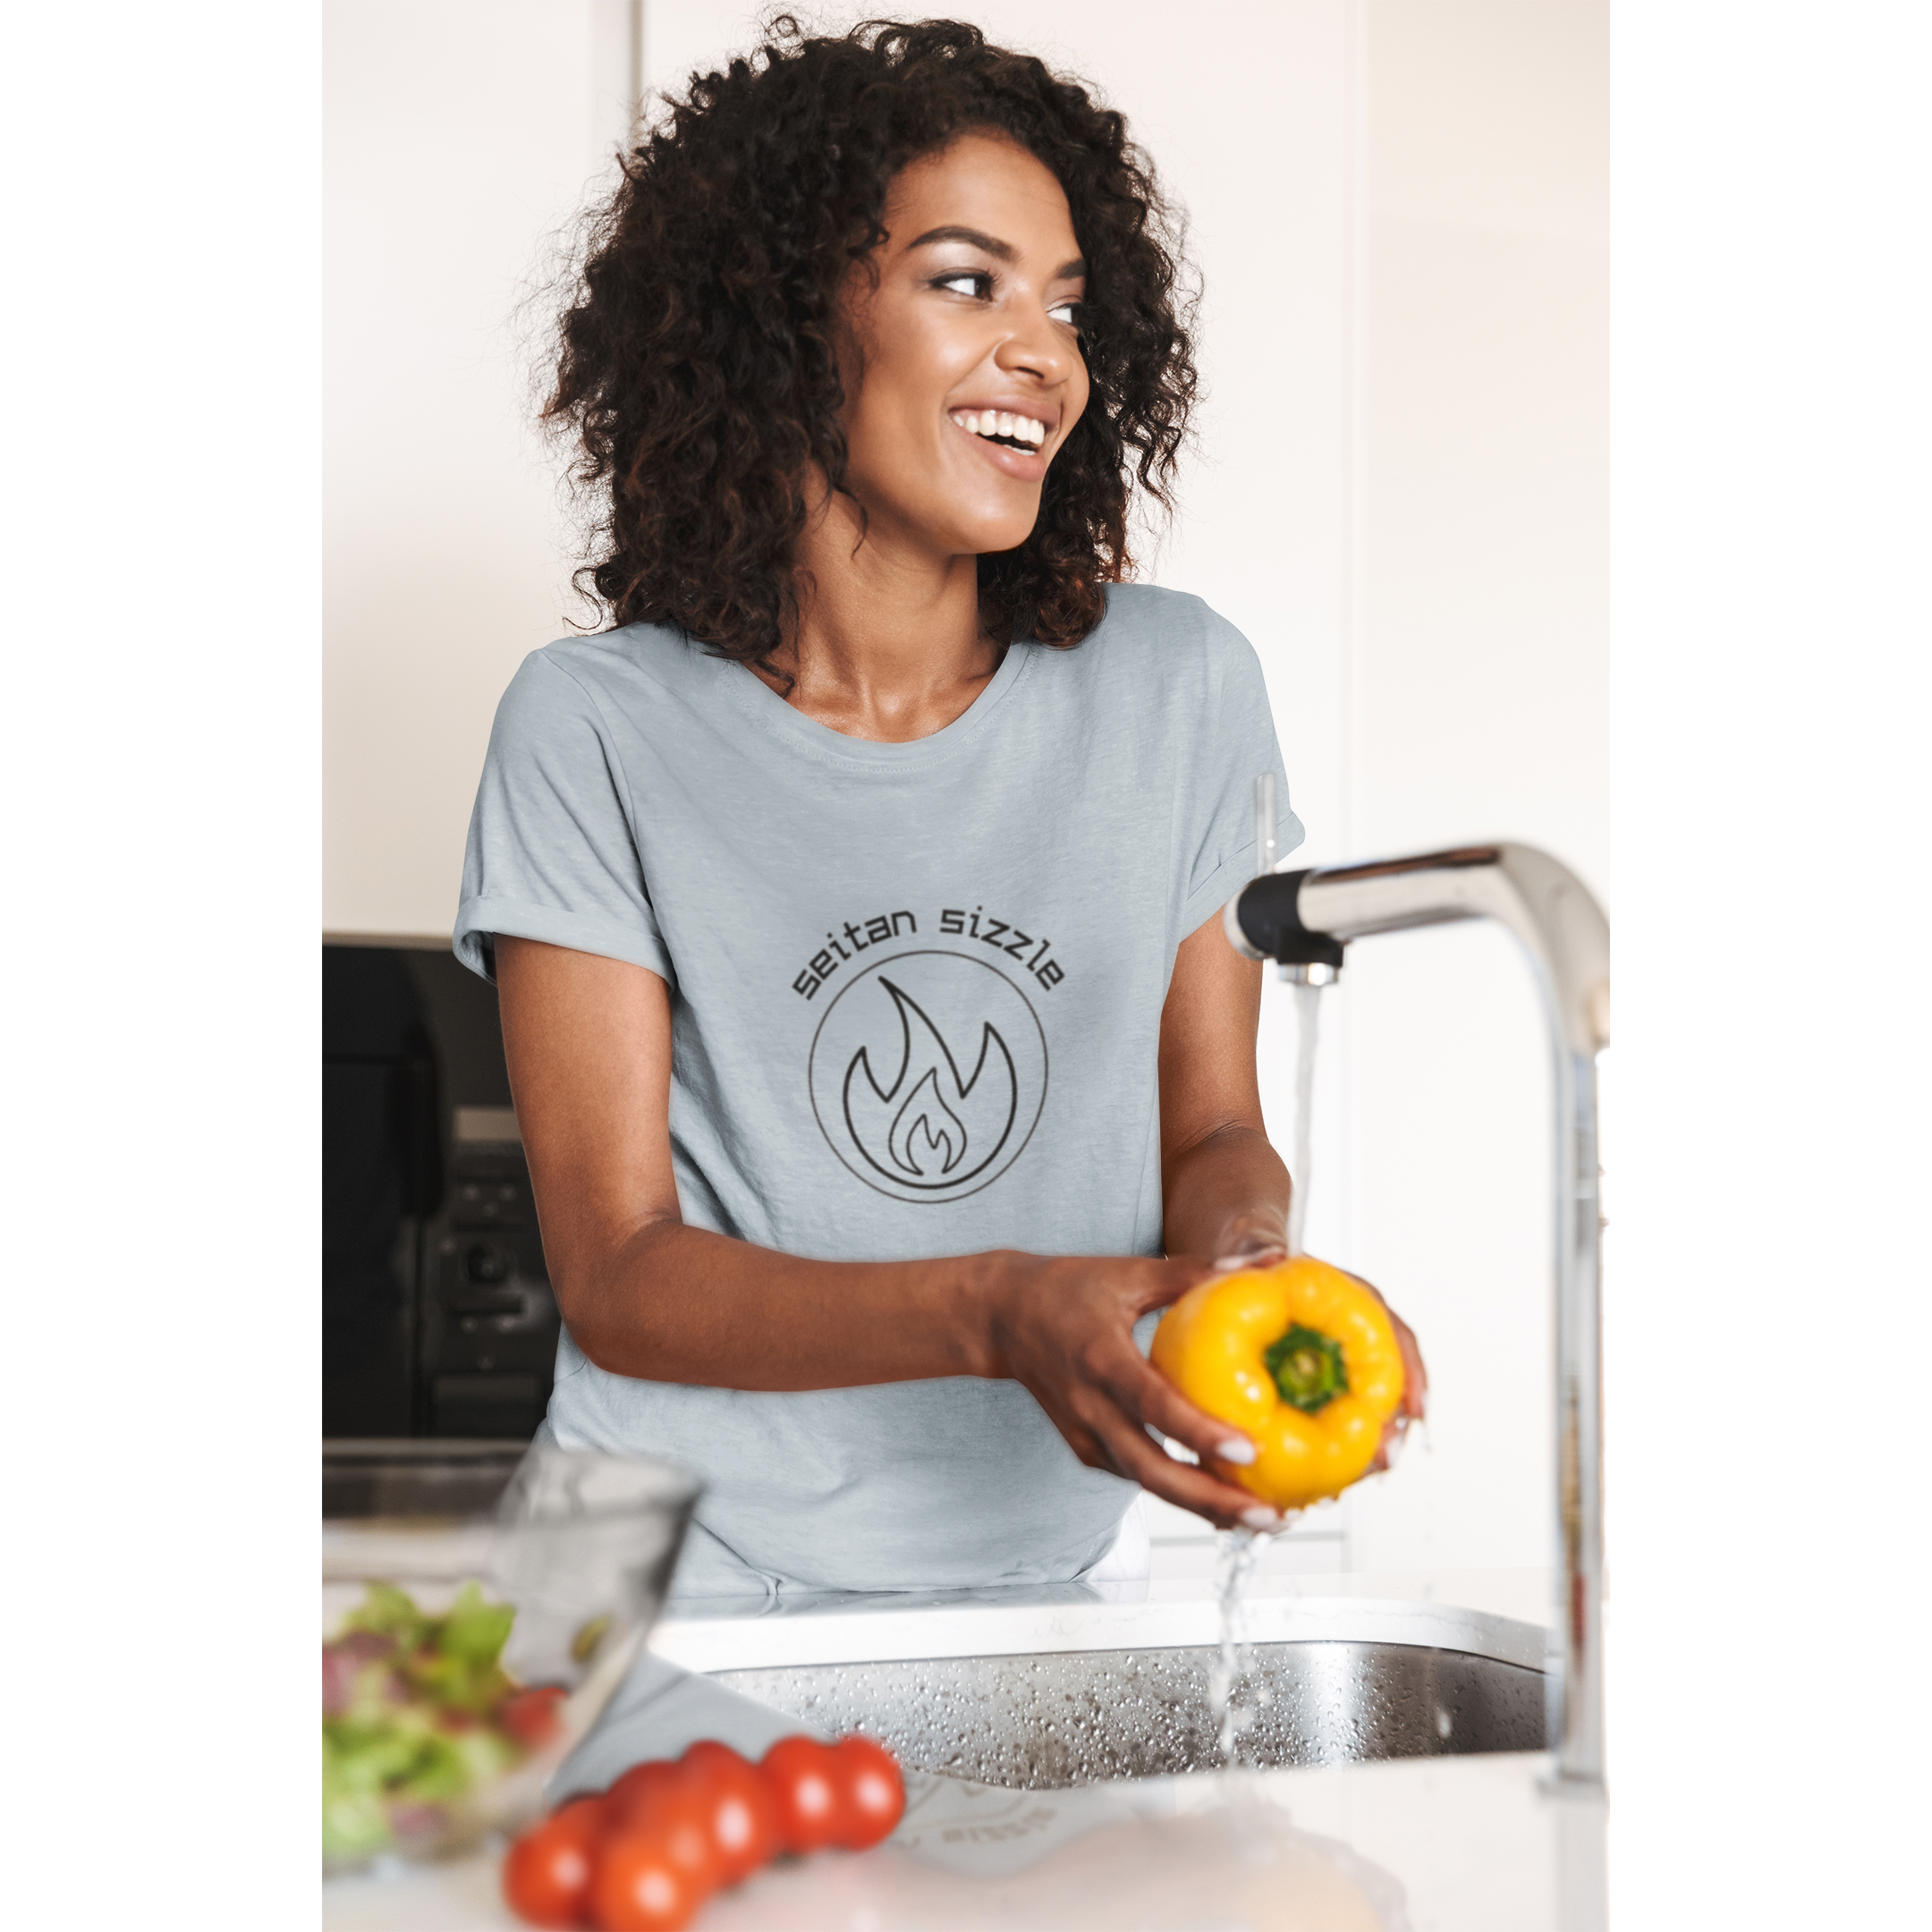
949	1142
924	1139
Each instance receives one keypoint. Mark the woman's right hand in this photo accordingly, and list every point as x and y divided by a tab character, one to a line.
1062	1327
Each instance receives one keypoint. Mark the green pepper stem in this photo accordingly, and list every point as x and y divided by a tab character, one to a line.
1307	1369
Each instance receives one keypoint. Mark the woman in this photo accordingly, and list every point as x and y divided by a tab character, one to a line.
854	901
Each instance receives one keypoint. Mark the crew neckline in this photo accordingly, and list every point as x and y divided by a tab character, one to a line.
771	713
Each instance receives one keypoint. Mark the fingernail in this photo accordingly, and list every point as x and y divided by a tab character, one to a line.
1259	1518
1235	1450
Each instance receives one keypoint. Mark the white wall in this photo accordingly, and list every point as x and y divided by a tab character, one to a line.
1397	207
1477	707
458	134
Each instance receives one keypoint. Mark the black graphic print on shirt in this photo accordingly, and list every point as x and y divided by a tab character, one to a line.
928	1074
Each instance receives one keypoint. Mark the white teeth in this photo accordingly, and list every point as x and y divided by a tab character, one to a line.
1002	423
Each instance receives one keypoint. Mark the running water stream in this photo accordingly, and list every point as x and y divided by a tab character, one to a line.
1236	1552
1307	1022
1233	1704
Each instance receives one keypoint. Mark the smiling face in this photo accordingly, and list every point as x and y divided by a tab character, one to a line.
972	374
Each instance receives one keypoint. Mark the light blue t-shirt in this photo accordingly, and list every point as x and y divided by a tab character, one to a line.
916	1002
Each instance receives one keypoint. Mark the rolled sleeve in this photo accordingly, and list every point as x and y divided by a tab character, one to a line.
552	852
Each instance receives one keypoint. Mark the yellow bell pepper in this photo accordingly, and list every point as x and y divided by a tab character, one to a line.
1301	1358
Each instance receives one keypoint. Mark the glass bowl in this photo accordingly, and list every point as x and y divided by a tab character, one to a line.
480	1602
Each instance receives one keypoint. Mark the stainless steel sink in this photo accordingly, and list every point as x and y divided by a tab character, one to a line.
1047	1722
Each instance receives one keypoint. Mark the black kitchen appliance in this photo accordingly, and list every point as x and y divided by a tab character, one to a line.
437	1317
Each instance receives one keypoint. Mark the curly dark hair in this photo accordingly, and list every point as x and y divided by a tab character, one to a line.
698	371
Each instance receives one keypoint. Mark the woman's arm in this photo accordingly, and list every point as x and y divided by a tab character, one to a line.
588	1045
1224	1190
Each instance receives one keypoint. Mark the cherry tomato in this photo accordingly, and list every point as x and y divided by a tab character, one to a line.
547	1876
533	1717
669	1808
873	1790
707	1753
633	1797
739	1803
810	1799
640	1887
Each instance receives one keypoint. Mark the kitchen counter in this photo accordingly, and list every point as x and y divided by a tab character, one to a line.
1435	1844
748	1634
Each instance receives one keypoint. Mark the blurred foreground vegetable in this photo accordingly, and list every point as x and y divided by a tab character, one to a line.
1301	1358
646	1855
417	1714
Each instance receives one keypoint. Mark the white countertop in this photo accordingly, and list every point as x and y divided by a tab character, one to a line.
1428	1845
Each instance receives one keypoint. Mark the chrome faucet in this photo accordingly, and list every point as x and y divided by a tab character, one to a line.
1303	921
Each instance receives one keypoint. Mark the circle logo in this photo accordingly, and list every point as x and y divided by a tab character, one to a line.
928	1072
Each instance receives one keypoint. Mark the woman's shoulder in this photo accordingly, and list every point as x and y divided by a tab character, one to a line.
1168	619
633	672
658	654
1164	642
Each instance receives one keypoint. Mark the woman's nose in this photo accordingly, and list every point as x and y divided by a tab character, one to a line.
1038	347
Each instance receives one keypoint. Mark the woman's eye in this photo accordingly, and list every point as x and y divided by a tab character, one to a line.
967	282
1067	312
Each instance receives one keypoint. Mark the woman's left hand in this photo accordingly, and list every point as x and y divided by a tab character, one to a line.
1414	1402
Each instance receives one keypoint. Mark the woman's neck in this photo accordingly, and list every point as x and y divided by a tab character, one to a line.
889	645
